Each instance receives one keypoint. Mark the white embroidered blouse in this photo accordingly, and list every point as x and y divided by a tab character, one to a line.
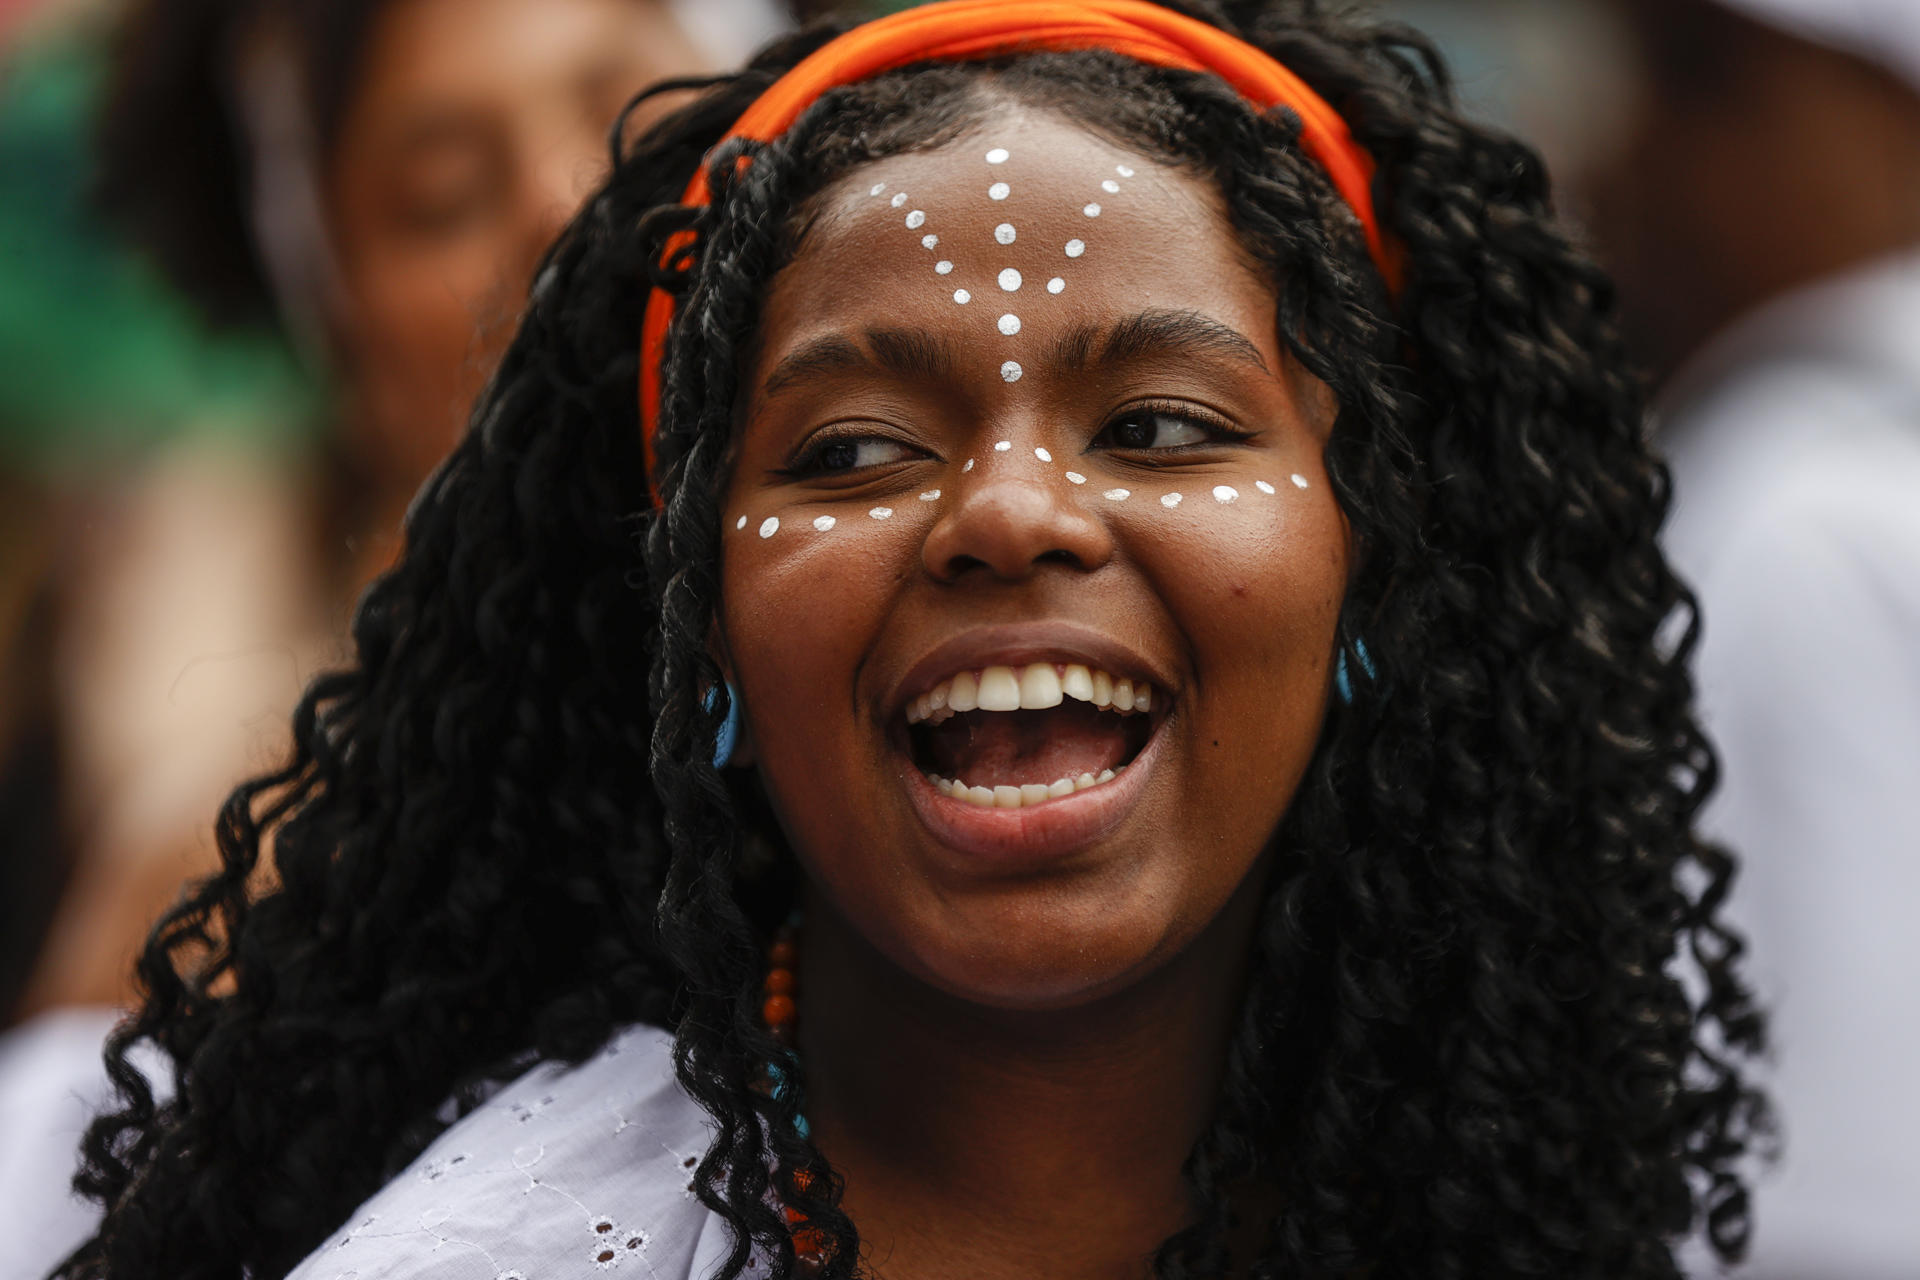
564	1173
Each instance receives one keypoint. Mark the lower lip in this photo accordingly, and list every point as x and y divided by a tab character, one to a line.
1023	838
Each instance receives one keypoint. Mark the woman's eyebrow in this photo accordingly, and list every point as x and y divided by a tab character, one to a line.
1152	333
901	353
917	355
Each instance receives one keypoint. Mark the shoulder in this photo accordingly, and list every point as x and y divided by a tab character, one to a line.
565	1172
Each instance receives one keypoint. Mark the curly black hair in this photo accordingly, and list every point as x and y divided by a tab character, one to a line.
1495	1027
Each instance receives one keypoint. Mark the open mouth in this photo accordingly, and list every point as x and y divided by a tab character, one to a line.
1014	737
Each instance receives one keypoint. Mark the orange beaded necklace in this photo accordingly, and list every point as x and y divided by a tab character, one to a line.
812	1247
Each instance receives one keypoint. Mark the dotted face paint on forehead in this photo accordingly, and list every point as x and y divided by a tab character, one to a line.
978	266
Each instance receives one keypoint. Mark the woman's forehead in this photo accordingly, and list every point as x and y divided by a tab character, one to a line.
1009	239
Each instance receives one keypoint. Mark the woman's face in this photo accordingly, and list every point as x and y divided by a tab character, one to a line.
1018	433
475	130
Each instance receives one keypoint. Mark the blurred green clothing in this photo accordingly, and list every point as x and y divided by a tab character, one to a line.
99	359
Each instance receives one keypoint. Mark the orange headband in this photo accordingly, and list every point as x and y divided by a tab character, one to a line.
959	30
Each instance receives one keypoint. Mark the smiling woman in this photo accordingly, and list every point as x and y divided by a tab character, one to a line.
1201	790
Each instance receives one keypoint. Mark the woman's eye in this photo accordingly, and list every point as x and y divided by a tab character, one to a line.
853	454
1154	429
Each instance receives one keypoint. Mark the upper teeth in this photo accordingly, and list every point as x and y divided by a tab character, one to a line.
1034	687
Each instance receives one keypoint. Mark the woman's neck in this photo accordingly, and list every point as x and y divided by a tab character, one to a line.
985	1143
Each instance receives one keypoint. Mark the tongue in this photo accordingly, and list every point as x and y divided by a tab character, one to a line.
1013	748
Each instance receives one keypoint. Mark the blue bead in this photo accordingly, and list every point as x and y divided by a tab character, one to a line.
729	733
1341	683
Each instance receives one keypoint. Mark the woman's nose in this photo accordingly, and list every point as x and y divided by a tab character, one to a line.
1005	523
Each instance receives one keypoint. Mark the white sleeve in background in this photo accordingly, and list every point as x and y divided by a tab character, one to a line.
52	1082
1809	679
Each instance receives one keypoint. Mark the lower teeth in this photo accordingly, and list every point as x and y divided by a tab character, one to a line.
1019	797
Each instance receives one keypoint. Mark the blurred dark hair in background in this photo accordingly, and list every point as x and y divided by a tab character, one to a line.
177	162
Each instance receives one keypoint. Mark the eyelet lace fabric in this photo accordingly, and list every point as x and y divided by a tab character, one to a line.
564	1173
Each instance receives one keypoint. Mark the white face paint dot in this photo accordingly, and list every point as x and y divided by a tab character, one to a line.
1043	455
999	191
1263	486
1169	500
769	526
1010	280
942	266
1117	495
1009	324
876	188
1111	187
916	219
997	156
1299	482
1123	171
824	523
1011	371
741	523
968	467
899	199
1001	446
1076	247
931	495
1092	211
1074	477
1004	233
1056	284
928	241
962	297
881	513
1224	493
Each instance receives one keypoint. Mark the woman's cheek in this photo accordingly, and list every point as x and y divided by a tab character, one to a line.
806	589
1256	580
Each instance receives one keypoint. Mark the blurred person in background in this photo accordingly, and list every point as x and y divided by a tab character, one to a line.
1764	221
375	181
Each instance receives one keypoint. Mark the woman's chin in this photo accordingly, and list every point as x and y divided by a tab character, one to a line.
1038	960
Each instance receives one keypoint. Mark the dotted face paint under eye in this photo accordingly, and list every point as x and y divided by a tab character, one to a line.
1010	280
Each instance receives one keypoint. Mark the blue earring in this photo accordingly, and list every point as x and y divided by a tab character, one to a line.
729	735
1341	683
